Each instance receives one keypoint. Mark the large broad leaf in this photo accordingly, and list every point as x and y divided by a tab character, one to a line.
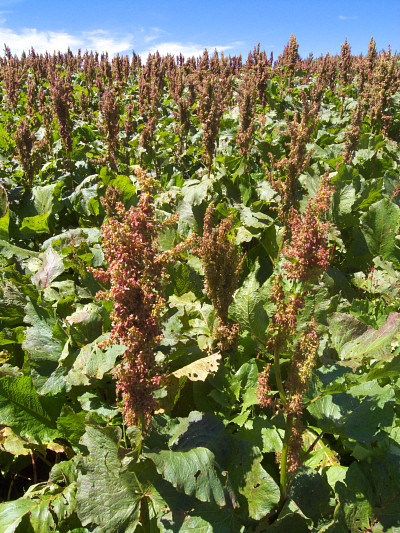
262	433
248	307
44	506
369	494
15	514
360	414
52	267
200	369
12	304
257	492
86	324
36	224
9	250
3	201
46	198
44	349
4	226
355	341
197	459
176	511
379	227
312	494
50	505
108	493
93	362
27	413
73	237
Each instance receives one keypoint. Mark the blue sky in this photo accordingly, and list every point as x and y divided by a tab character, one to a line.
172	26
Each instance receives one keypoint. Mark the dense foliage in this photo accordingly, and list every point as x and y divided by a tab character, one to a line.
200	277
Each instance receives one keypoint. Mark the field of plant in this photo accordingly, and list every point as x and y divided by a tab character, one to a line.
200	287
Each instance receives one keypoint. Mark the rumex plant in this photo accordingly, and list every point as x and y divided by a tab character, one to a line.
110	124
213	88
136	272
237	371
285	172
305	256
222	264
61	94
247	104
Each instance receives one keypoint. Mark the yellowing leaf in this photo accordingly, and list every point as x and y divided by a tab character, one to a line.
200	369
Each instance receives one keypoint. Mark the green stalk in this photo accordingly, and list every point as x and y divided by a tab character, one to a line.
278	378
284	458
288	431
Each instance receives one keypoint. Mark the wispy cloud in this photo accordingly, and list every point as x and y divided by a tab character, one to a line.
104	41
50	41
151	34
186	49
144	42
345	17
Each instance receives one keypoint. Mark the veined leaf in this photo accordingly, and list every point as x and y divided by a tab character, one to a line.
196	461
27	413
43	347
379	227
256	489
108	493
52	267
248	307
355	341
200	369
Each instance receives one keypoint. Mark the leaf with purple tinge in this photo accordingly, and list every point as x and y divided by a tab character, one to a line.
52	267
355	341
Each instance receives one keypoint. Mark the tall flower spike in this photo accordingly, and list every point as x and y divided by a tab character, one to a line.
285	173
307	252
136	271
137	274
222	265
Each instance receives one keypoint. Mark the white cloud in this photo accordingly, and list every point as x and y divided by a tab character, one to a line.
50	41
145	42
103	41
152	34
344	17
186	49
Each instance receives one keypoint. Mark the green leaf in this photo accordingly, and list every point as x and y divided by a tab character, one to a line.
356	341
197	459
12	304
311	493
53	504
257	492
9	250
36	224
379	227
359	414
262	433
248	308
93	362
4	226
43	347
3	201
52	267
27	413
45	198
71	424
15	514
86	324
108	493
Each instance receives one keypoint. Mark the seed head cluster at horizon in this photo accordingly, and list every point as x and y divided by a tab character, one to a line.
176	27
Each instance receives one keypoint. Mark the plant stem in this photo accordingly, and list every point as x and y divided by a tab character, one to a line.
284	458
278	378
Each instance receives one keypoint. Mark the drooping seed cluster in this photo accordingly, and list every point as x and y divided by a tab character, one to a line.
222	264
